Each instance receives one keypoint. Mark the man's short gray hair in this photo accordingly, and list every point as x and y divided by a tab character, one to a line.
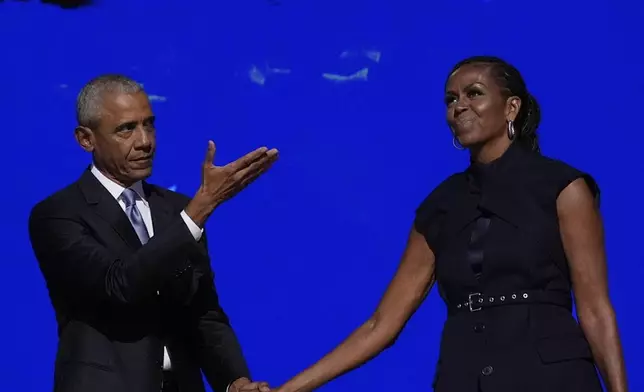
89	105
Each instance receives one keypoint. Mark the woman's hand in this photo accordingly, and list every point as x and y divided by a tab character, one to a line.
407	290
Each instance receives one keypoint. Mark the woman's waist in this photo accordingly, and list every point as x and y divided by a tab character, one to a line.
477	301
518	321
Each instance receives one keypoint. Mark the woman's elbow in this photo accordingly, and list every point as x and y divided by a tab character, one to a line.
392	340
385	331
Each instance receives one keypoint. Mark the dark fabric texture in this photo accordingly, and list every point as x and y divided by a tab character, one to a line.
118	302
495	234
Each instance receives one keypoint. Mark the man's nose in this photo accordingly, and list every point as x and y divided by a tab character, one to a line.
143	138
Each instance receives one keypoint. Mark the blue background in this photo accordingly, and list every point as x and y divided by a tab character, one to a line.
303	255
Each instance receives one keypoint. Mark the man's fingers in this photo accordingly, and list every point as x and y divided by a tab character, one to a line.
247	159
255	386
210	153
242	181
254	170
236	180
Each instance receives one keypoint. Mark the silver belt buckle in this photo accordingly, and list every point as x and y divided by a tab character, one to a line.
472	301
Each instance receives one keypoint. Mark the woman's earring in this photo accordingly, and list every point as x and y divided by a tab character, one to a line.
511	132
456	144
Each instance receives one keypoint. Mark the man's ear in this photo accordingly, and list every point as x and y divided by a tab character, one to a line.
85	138
512	107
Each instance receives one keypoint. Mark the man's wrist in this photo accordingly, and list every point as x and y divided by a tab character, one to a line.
201	207
195	230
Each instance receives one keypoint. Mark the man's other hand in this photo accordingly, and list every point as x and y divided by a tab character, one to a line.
245	385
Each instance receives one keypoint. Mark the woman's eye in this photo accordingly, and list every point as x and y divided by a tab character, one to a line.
473	93
449	100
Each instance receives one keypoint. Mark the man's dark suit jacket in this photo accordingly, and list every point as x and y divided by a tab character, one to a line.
118	303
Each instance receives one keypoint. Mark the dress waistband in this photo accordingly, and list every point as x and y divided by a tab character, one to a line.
478	301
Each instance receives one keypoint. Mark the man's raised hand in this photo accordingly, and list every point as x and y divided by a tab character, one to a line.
220	183
224	182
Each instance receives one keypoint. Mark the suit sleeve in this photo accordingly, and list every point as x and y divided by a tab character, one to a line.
75	263
218	351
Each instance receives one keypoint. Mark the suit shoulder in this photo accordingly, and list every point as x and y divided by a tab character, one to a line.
60	202
177	199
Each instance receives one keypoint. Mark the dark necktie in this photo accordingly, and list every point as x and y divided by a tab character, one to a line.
134	215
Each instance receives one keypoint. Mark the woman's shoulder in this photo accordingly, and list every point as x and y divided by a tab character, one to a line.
556	174
444	190
440	197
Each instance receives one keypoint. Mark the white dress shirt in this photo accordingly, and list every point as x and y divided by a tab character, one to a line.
142	204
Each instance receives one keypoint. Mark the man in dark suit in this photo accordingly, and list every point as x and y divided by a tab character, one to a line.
126	262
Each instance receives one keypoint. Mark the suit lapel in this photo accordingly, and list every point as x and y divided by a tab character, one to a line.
104	205
161	211
164	213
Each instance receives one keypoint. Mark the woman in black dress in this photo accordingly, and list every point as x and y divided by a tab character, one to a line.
507	240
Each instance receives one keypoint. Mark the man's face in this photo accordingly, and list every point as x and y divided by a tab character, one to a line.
124	142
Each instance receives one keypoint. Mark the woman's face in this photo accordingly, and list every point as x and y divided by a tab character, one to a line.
477	111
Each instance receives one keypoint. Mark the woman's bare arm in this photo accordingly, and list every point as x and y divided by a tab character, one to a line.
582	236
411	284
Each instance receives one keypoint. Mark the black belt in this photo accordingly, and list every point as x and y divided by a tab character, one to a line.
477	301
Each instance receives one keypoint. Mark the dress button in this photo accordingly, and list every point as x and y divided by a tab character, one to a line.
479	327
487	370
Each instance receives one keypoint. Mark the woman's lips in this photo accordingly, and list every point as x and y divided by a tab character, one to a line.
462	125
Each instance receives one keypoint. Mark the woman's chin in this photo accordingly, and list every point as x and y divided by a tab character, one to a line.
467	141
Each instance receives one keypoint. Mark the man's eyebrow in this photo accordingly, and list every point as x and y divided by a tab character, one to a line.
126	125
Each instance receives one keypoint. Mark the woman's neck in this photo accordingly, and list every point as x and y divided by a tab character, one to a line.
489	151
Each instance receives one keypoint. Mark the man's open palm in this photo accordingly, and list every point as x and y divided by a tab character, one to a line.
223	182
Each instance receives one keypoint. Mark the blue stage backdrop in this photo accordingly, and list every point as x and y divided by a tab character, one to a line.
351	93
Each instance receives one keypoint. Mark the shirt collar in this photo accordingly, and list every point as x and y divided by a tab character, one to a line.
116	189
